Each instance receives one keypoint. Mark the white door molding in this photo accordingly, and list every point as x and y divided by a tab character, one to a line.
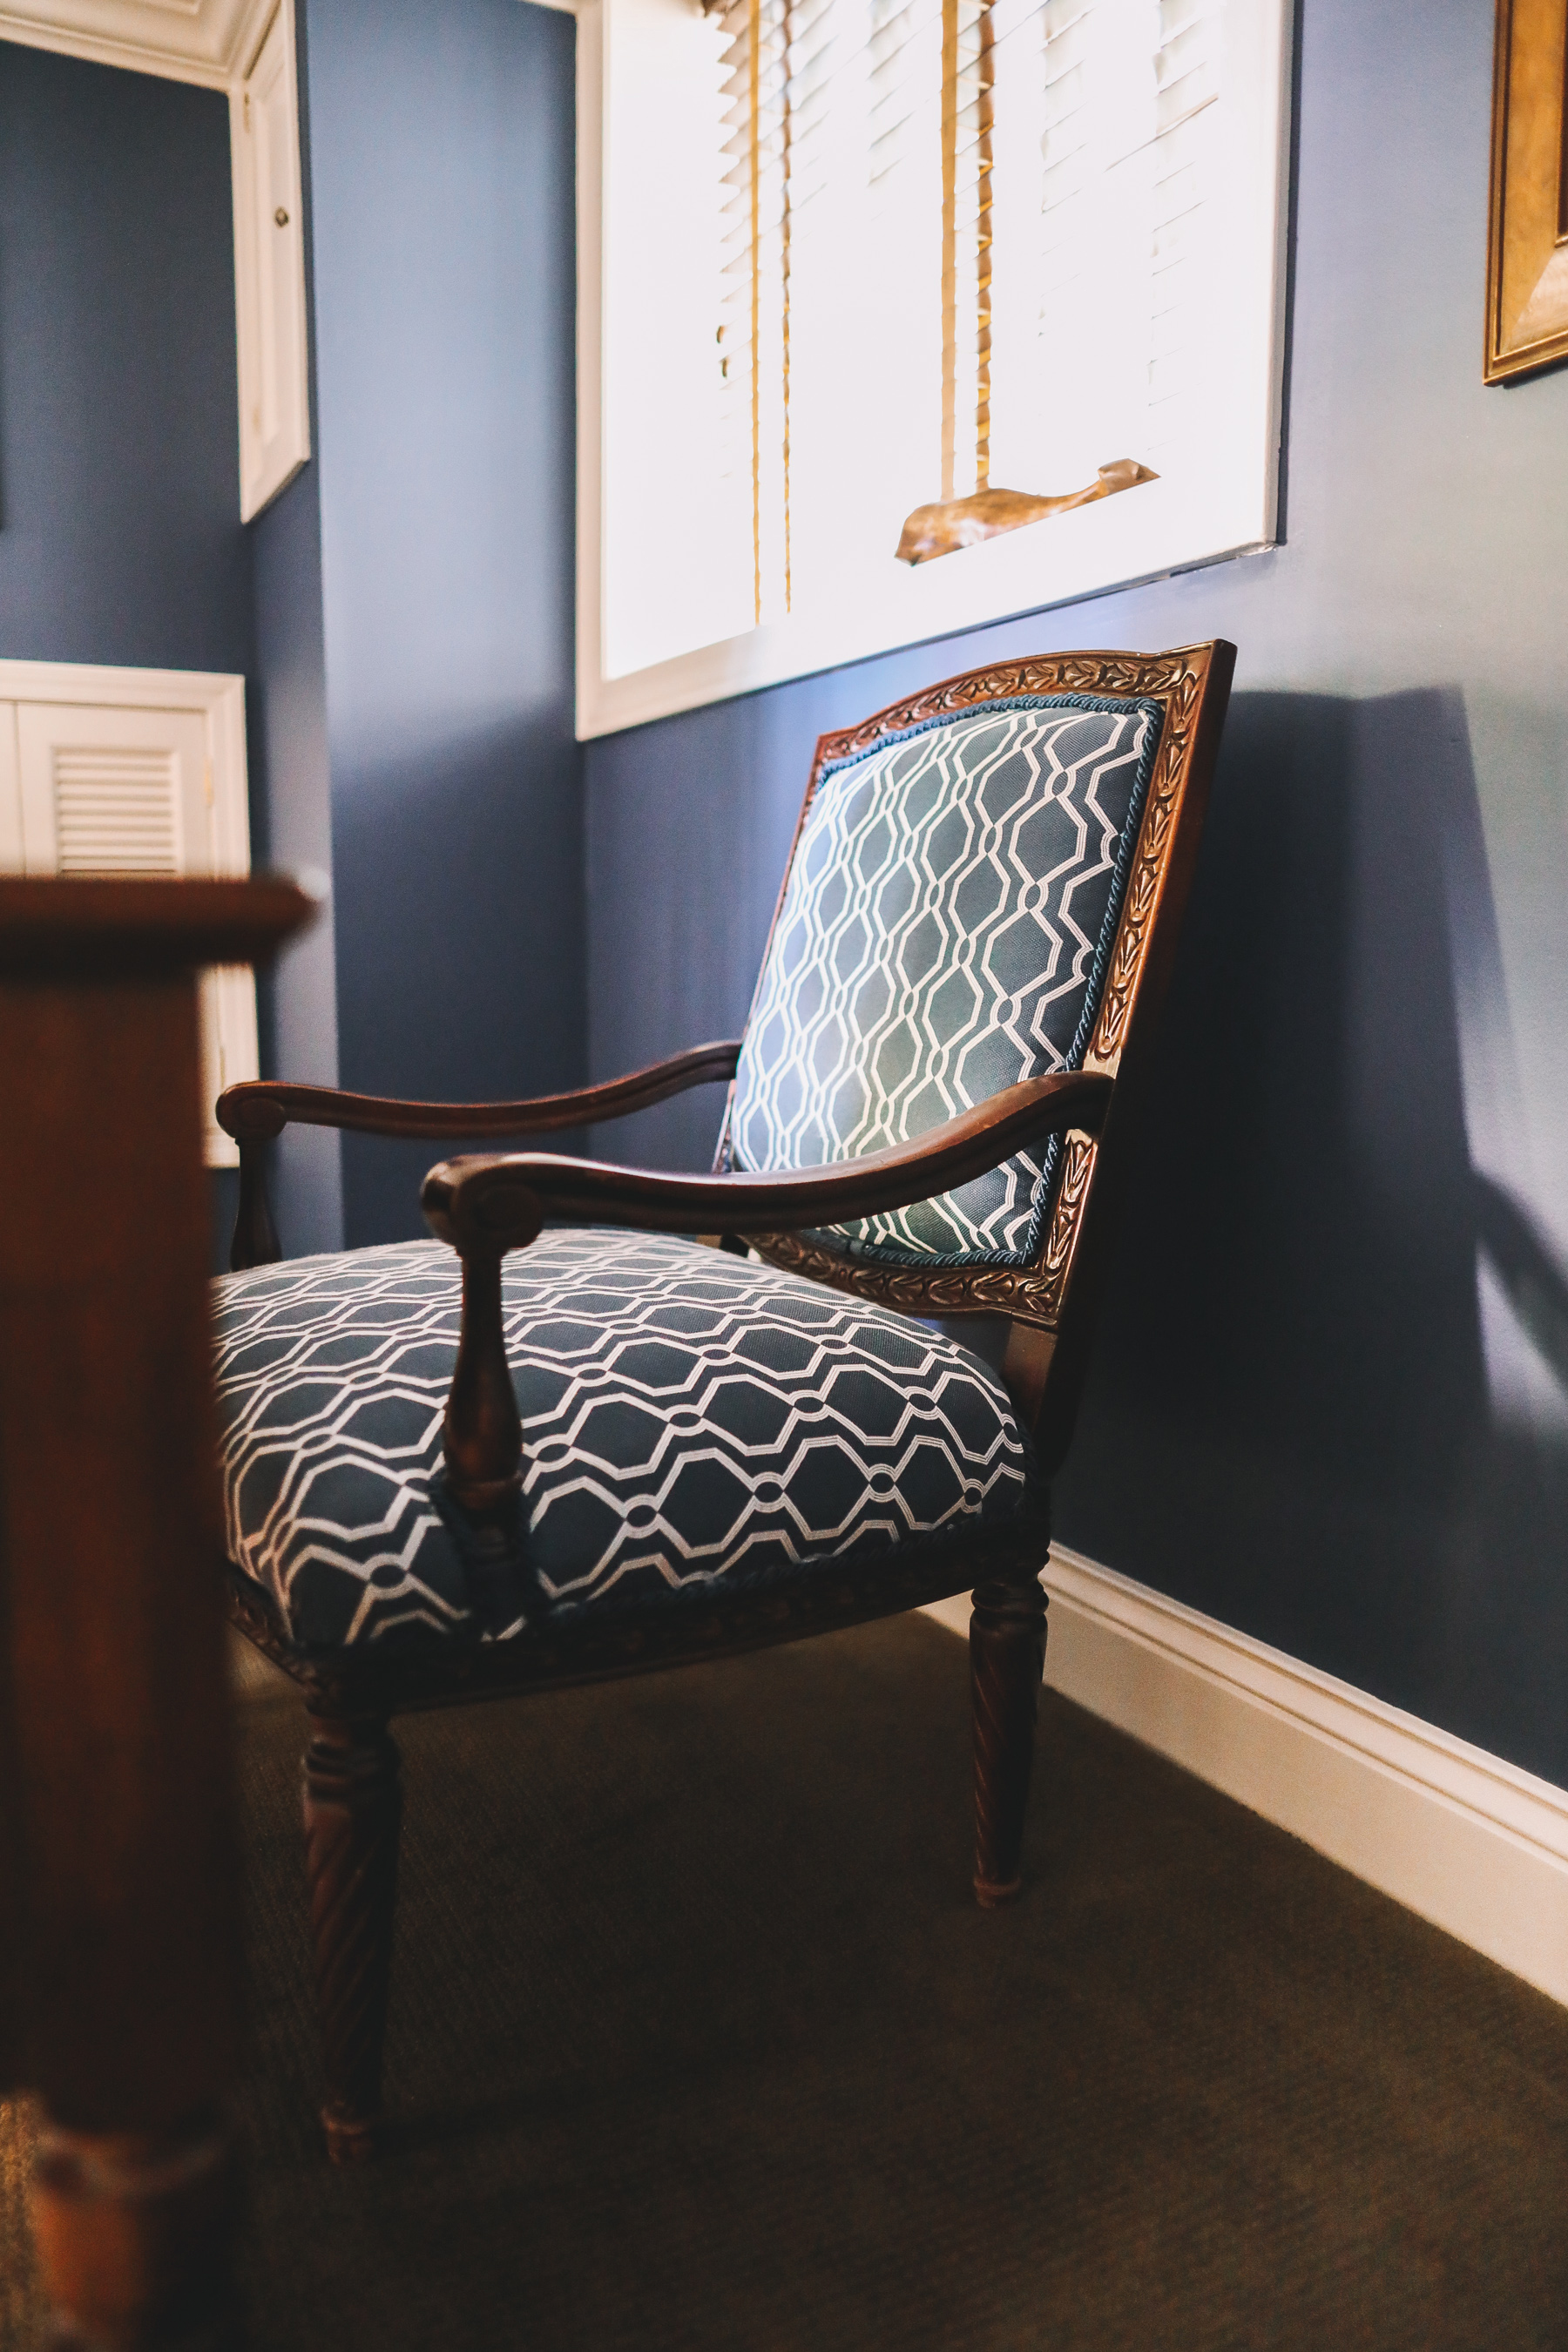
202	41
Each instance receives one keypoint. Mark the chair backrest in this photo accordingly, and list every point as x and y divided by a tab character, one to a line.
984	886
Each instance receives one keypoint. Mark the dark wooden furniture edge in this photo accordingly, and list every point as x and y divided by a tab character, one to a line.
53	927
350	1682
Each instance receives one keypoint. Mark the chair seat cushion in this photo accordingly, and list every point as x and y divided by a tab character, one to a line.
691	1419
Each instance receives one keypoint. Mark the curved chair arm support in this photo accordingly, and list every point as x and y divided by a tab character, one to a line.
483	1200
263	1108
487	1205
259	1110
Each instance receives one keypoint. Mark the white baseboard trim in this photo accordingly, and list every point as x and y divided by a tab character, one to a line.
1470	1843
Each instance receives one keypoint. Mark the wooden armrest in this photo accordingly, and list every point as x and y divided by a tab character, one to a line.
263	1108
496	1202
487	1203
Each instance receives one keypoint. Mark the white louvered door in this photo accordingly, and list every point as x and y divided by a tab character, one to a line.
94	787
113	792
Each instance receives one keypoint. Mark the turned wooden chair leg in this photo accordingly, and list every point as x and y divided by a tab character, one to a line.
1007	1661
353	1812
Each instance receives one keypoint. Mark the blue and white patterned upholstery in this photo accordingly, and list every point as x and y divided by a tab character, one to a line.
950	914
689	1420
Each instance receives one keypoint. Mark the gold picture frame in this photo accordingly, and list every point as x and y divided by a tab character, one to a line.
1527	246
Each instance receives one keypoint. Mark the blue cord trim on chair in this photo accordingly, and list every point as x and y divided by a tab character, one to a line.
778	1111
1108	702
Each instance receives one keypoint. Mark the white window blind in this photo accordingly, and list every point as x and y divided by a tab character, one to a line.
920	251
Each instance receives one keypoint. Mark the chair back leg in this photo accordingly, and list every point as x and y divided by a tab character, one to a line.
1006	1662
353	1814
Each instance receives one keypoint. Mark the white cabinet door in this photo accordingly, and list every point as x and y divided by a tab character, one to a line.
106	789
269	272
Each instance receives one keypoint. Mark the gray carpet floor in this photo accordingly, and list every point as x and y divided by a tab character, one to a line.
698	2041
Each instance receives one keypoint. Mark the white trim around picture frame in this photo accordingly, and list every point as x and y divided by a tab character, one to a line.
624	242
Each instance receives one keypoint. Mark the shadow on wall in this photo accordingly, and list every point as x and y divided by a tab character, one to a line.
1526	1272
291	829
689	822
459	886
1288	1421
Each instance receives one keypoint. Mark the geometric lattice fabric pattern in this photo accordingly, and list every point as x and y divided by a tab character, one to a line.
689	1419
948	919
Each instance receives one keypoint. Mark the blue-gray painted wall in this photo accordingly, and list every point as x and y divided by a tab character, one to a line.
1329	1400
442	205
119	530
120	533
293	833
402	611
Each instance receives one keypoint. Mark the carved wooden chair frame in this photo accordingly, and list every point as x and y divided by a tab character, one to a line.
487	1204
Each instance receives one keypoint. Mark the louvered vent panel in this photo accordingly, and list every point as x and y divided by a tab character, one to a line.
116	812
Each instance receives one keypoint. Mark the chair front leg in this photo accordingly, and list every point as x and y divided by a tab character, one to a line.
1006	1662
353	1813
